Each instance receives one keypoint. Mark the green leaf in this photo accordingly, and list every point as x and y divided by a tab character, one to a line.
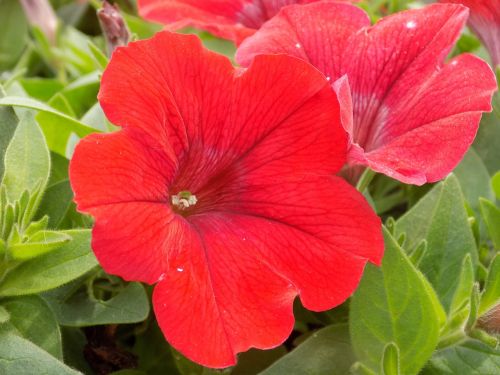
42	242
56	202
464	289
490	296
100	58
140	27
186	367
34	320
4	315
327	351
474	179
155	355
41	88
395	303
51	270
469	358
487	141
8	123
14	33
491	216
57	126
21	356
130	305
495	183
440	218
27	160
74	344
390	360
254	361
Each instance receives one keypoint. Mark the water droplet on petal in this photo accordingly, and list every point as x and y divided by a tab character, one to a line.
297	45
162	277
180	269
328	78
411	24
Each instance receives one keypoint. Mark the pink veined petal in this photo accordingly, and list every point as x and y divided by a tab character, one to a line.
317	33
429	133
485	21
392	61
230	19
219	18
397	78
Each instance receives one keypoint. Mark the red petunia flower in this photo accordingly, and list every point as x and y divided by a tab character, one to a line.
219	188
413	117
484	20
230	19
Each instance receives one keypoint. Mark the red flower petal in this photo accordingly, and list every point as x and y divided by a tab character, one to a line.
485	21
398	81
317	33
234	283
123	183
109	168
254	146
229	19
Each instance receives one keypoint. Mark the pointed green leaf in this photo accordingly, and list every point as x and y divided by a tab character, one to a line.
21	356
474	179
491	216
56	125
56	202
27	159
14	33
395	303
441	219
33	320
100	58
469	358
490	296
130	305
487	141
42	242
8	123
327	351
53	269
464	289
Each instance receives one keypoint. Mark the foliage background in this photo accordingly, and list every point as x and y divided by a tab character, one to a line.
426	310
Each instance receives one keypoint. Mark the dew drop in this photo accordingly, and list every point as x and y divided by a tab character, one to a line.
180	269
162	277
328	78
298	45
411	24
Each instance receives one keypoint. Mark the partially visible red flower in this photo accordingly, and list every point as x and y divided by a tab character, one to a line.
229	19
484	20
413	117
219	188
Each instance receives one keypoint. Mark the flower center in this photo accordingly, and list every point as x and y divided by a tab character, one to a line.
183	200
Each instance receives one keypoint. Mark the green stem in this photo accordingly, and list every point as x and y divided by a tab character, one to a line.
451	339
365	180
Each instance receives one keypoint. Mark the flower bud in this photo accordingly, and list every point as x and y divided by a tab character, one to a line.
113	26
